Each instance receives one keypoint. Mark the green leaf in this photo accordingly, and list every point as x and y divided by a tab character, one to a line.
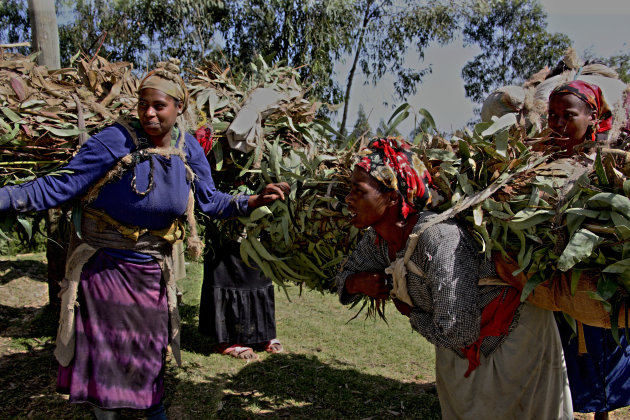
626	187
597	297
501	123
28	228
218	155
478	214
583	212
606	287
464	150
401	114
462	180
599	169
259	213
64	132
617	201
622	266
501	140
10	135
428	118
580	247
531	284
530	217
10	114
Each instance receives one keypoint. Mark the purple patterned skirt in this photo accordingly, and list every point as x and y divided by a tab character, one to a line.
121	336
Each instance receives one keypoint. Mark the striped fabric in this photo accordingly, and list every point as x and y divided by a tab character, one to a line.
121	336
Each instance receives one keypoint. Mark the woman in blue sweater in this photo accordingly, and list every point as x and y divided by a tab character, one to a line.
133	182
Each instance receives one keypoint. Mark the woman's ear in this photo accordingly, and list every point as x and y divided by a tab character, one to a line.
394	198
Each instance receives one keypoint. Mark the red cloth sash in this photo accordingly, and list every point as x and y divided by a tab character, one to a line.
496	319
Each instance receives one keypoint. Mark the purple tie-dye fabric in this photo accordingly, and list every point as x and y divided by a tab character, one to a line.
122	334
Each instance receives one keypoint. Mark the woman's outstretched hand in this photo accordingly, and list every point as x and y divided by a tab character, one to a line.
269	194
369	283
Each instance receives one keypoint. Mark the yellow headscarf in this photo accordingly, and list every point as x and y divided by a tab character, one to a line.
165	78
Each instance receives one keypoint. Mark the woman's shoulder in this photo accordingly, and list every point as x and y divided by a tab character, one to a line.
114	137
438	233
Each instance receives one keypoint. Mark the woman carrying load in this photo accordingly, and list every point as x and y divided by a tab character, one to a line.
135	179
600	378
495	357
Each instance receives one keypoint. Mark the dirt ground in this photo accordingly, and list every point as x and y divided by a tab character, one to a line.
23	294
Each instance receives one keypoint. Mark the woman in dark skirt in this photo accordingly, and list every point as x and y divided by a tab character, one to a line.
135	180
237	308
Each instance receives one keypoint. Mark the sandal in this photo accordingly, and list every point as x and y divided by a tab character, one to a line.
273	346
237	351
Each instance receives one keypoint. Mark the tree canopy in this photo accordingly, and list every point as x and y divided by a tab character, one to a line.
139	31
313	35
514	42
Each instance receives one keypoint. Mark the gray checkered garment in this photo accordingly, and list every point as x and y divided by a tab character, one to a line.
447	301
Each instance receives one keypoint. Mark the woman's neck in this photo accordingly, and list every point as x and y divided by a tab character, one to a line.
161	142
397	232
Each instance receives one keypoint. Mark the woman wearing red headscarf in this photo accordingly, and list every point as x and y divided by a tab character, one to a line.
577	113
600	378
495	357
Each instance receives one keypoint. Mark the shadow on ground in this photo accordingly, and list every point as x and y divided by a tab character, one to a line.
300	386
11	270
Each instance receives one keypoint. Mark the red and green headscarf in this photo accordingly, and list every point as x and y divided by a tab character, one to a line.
592	96
392	162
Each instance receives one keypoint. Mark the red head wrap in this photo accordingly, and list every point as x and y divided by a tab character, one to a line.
392	162
592	96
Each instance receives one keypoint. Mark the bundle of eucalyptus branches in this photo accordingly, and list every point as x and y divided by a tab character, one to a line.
518	196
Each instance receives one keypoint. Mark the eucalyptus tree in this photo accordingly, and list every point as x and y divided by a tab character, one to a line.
314	34
140	31
14	23
514	43
388	30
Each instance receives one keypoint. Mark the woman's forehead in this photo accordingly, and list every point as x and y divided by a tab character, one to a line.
566	101
154	95
360	175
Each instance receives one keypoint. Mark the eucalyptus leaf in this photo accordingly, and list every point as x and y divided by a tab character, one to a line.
619	267
501	123
617	201
11	114
259	213
501	140
530	217
28	228
580	247
64	132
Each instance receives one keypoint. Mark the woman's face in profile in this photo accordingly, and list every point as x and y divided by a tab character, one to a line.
366	202
569	117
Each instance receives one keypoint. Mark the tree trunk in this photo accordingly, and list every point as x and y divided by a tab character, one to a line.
56	250
45	38
44	32
366	20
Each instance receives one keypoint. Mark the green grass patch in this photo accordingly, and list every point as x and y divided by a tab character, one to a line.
331	368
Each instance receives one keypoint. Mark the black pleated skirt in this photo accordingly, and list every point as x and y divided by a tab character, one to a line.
237	301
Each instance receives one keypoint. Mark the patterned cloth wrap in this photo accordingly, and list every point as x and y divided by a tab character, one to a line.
392	162
592	96
165	78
